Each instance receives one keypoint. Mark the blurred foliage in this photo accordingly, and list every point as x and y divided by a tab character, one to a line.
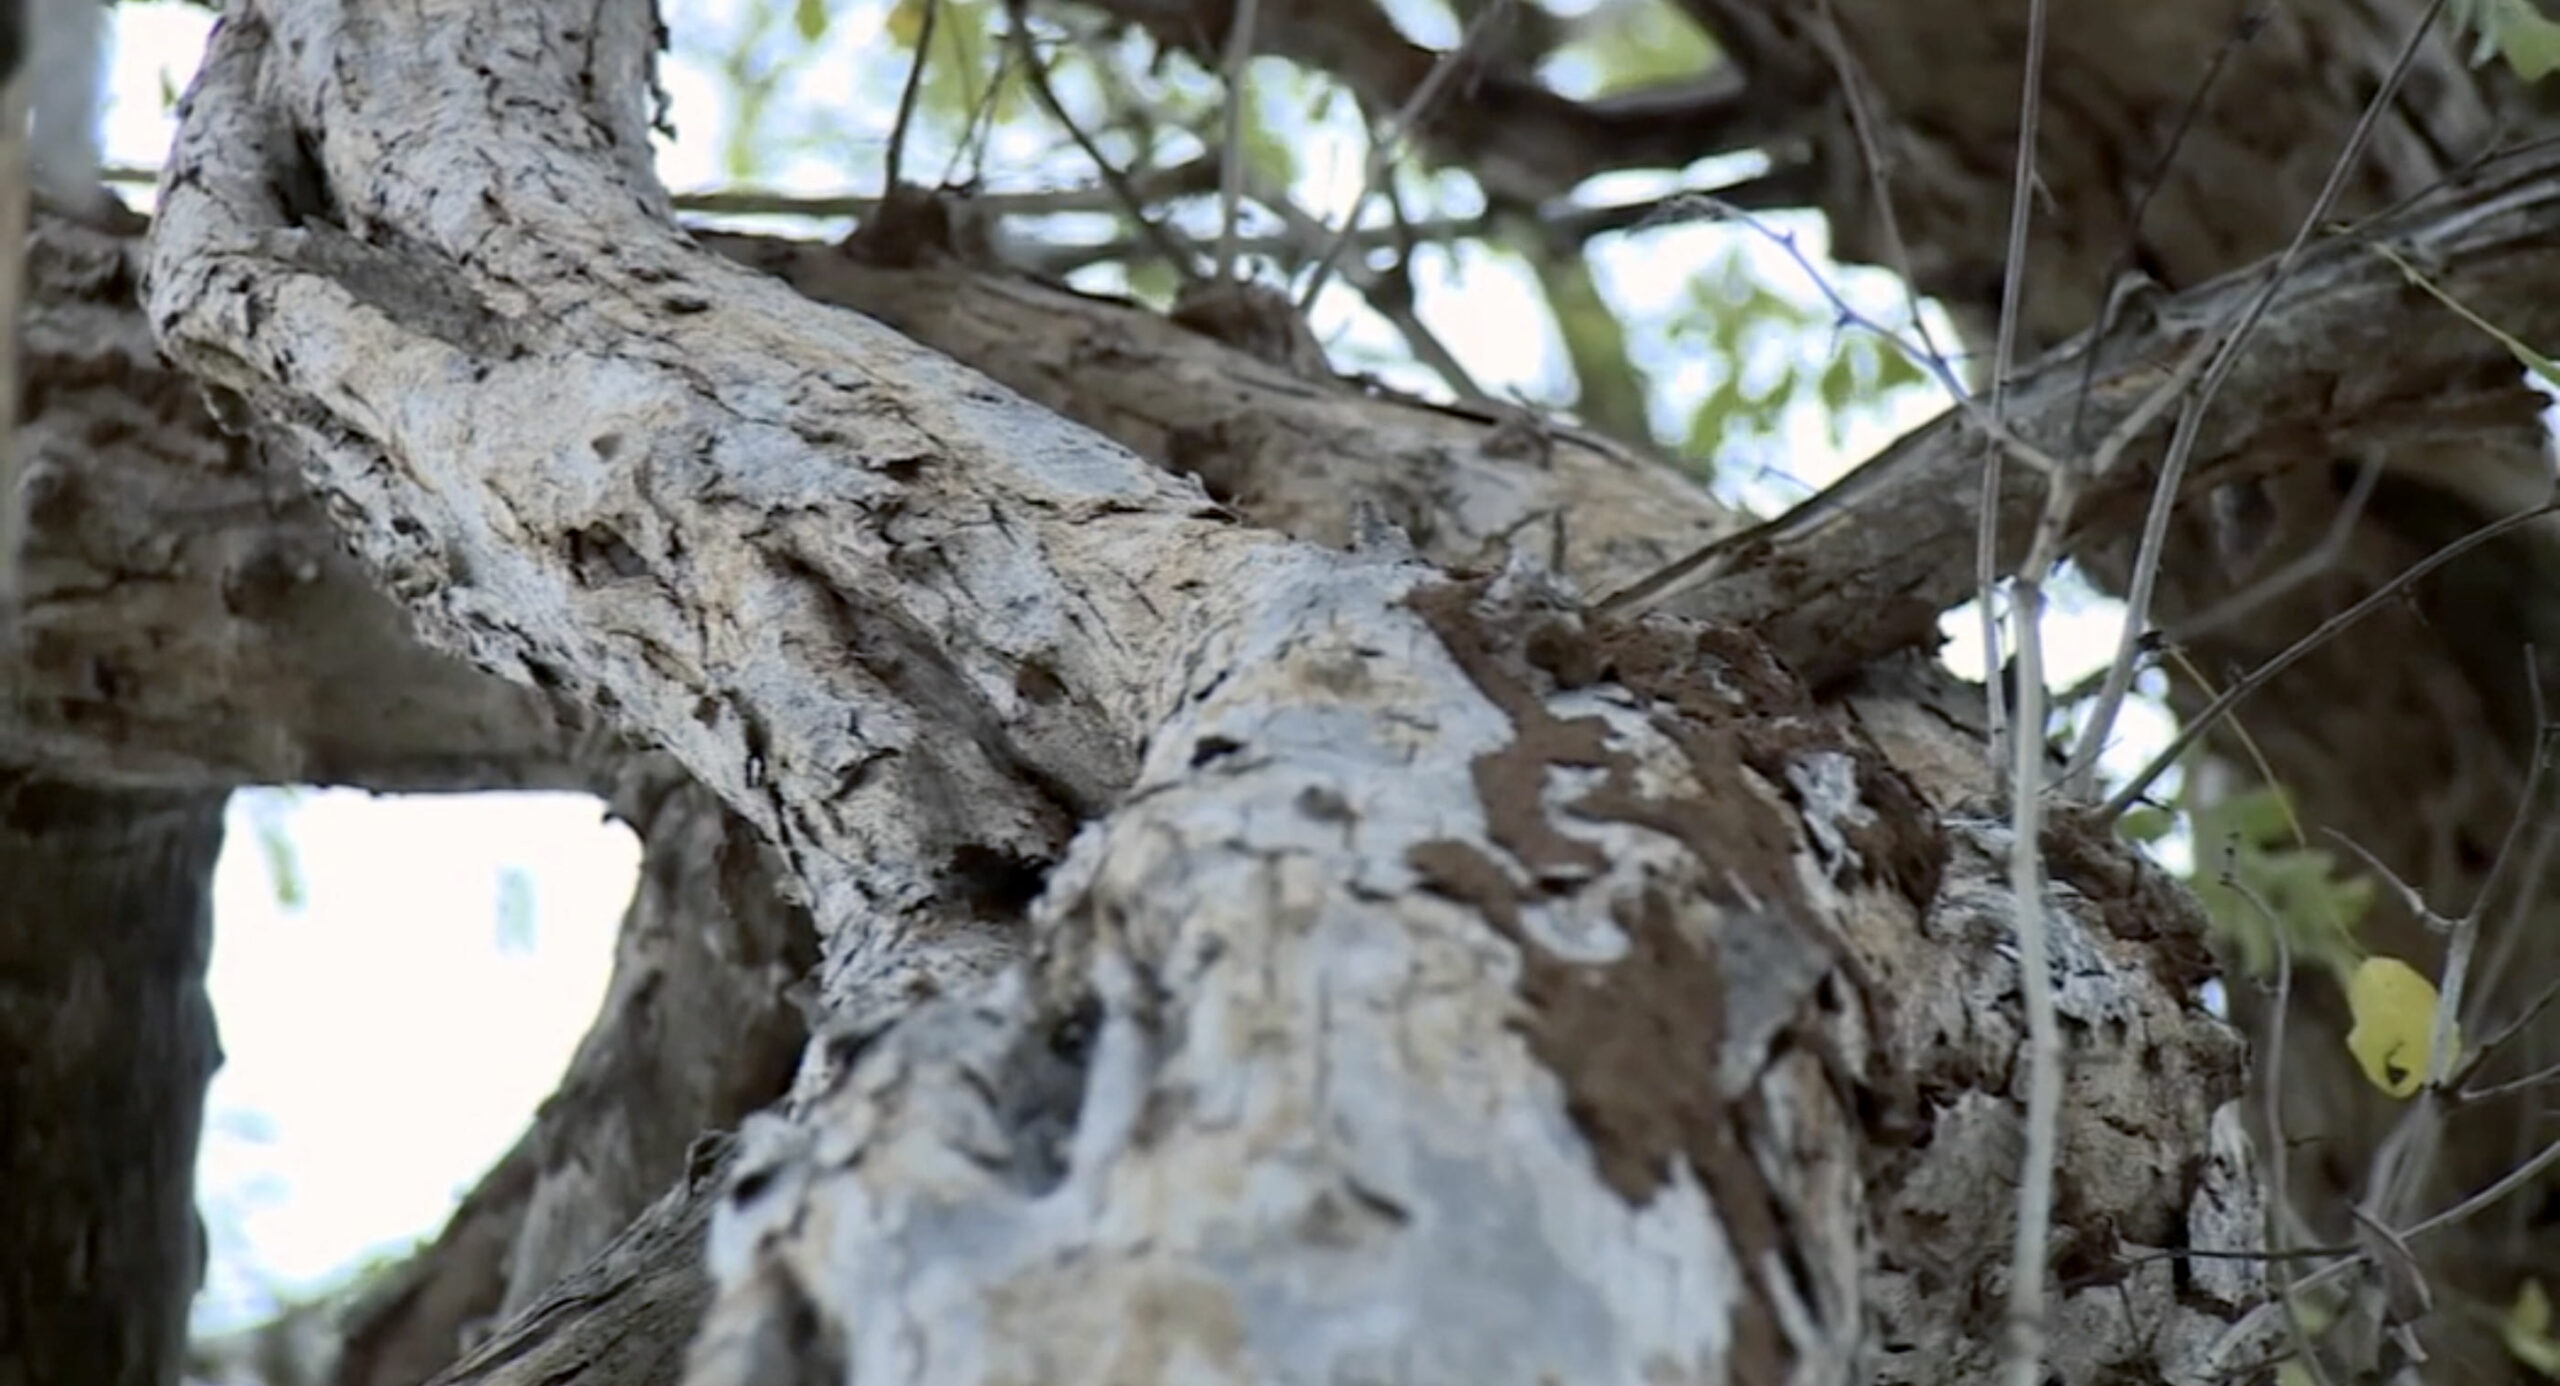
2250	852
2512	29
1772	353
1734	360
1627	45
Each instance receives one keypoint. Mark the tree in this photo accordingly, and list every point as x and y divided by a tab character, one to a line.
1269	921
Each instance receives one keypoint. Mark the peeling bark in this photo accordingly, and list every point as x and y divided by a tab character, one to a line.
1464	486
1451	984
1359	909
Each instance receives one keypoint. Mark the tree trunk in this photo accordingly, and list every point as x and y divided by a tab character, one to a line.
106	1044
1457	985
1240	959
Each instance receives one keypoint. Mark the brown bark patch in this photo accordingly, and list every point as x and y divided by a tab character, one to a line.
1636	1043
2135	901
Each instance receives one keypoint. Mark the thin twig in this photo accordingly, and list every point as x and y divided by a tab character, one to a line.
2035	1191
2489	1046
2182	443
2272	1099
2326	631
907	97
2310	564
1986	538
2466	929
2508	1183
1705	559
1240	26
2534	1079
1407	119
2244	30
1166	241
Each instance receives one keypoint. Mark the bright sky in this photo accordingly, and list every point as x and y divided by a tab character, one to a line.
390	1033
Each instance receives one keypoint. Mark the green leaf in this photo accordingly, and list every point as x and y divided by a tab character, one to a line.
2513	29
810	18
2146	824
2527	1329
2275	886
270	812
1641	43
1611	397
2530	42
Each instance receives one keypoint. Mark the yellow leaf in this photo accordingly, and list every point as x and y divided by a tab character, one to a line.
906	22
2395	1011
2527	1329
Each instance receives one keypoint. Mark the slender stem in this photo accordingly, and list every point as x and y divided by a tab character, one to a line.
2082	774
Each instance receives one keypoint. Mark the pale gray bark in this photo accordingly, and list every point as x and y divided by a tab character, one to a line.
1454	986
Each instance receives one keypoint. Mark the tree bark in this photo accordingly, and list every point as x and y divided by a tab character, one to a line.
106	1044
191	618
1305	947
1447	948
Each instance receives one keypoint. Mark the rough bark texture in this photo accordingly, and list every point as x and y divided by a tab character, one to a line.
1285	452
1448	947
1419	928
2185	141
106	1044
192	620
2410	735
1293	454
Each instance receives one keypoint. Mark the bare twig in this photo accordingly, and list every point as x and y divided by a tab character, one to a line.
907	98
2026	742
1166	241
1382	148
2272	1103
2244	29
2025	1352
2326	631
1704	560
1562	222
2310	564
2466	928
2511	1181
2081	775
1853	84
1231	159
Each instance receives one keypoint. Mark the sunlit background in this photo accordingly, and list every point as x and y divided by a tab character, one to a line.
401	981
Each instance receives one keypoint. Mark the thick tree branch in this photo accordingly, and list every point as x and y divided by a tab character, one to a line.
1466	487
1391	863
2351	361
192	620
